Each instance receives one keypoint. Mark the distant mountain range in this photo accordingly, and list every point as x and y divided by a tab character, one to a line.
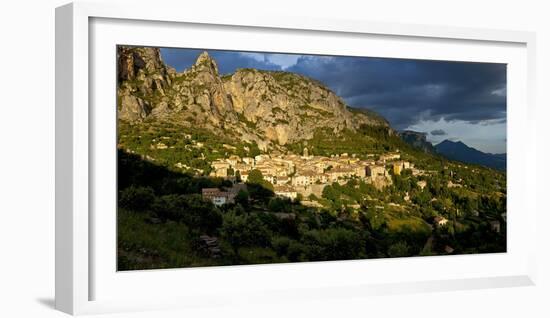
454	150
457	150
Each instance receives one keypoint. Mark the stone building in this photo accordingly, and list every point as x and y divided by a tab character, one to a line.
221	197
248	161
244	176
282	180
376	170
217	196
360	171
390	156
233	160
397	167
285	191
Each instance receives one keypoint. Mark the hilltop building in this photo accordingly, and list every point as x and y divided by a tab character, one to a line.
285	191
220	197
217	196
376	170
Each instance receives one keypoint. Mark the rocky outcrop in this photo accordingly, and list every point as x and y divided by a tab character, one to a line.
143	78
267	107
417	140
288	107
134	108
200	90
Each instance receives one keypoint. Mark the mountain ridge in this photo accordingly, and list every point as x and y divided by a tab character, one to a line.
270	108
458	150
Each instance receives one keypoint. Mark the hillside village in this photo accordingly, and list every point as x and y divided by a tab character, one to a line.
293	175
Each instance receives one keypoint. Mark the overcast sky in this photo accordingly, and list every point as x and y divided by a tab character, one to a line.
447	100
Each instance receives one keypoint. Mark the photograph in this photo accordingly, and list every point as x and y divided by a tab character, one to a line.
239	157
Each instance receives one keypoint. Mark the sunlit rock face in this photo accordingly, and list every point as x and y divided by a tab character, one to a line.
267	107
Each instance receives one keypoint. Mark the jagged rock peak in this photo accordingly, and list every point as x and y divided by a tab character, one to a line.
143	81
132	60
206	61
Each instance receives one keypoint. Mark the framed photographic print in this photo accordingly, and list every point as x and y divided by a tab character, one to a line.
213	157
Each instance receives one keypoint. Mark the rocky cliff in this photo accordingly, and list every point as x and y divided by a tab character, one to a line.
417	140
267	107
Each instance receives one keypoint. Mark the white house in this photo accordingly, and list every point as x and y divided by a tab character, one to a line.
285	191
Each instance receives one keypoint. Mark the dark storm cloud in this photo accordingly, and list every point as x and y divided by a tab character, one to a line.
438	132
403	91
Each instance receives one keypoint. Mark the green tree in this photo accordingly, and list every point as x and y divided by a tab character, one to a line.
295	252
399	249
333	244
375	217
244	230
136	198
189	209
255	176
230	172
259	187
238	176
242	198
280	245
278	204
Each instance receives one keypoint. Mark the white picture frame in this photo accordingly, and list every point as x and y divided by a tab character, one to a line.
84	285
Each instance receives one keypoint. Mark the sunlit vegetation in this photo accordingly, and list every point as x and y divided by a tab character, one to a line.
162	216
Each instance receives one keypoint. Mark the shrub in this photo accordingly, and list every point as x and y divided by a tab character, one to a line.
278	204
399	249
280	245
136	198
244	230
333	244
189	209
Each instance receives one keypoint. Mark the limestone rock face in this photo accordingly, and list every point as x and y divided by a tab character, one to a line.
288	107
270	108
201	89
143	64
134	109
143	78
